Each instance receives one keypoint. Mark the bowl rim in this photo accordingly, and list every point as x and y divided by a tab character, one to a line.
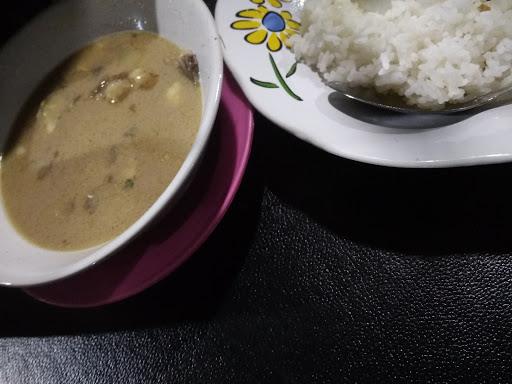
102	251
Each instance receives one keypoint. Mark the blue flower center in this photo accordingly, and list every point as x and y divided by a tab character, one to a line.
274	22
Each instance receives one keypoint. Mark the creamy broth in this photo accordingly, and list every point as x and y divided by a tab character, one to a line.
100	140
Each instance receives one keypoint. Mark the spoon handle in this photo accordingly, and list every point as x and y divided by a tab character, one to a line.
506	95
501	95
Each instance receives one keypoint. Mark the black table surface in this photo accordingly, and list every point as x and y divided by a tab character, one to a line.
324	270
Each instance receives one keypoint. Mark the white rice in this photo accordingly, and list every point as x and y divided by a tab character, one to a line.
430	51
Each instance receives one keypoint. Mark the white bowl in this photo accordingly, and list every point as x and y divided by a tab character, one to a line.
43	44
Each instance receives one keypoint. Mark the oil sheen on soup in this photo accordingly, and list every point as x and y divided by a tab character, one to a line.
100	140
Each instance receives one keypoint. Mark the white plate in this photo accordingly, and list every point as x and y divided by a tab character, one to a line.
344	128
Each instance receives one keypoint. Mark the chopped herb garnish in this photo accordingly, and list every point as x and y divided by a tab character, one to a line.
130	132
129	183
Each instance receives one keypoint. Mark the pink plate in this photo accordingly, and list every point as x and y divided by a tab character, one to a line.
174	238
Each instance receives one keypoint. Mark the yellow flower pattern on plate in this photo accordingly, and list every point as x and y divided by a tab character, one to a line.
277	27
274	27
274	3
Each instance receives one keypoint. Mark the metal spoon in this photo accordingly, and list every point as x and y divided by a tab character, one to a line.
397	103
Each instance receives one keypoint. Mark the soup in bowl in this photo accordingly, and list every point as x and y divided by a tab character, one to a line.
106	109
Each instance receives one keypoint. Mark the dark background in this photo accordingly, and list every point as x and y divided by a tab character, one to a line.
323	271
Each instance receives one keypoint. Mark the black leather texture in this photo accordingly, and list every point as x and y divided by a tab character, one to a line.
323	271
